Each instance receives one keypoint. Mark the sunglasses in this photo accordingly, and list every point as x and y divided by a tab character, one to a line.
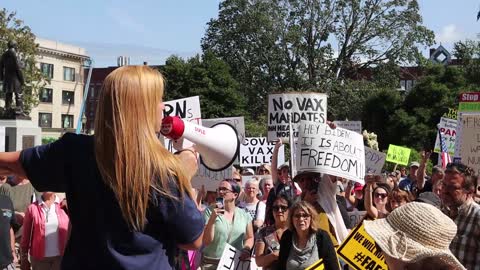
224	189
380	195
277	208
467	171
299	216
262	170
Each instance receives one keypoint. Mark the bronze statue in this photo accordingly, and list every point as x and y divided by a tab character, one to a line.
12	77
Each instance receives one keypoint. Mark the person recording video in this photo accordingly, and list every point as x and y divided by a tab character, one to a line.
129	198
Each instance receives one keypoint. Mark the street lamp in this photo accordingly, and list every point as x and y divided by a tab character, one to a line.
84	123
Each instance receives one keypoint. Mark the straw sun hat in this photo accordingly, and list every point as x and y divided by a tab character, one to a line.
414	232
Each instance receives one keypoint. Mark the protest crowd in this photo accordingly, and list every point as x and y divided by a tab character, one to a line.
139	210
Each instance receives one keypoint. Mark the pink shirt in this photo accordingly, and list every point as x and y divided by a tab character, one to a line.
33	239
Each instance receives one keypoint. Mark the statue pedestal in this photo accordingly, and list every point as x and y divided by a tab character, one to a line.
19	134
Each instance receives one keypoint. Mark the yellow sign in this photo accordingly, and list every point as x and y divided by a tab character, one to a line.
361	252
398	154
317	266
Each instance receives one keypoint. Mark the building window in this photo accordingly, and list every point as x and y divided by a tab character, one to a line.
45	120
68	97
68	74
47	70
67	121
46	95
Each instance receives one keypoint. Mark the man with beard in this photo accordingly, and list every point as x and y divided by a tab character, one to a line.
457	193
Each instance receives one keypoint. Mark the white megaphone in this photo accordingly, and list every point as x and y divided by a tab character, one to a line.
218	146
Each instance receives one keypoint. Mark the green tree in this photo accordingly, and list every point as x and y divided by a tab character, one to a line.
12	28
377	113
208	77
280	45
412	121
468	53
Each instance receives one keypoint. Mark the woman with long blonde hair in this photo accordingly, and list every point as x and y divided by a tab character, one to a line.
129	199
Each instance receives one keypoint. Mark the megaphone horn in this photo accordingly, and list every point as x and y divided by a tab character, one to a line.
218	146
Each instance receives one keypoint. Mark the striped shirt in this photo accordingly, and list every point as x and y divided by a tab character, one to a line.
466	244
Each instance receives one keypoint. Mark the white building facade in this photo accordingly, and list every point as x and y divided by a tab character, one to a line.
60	101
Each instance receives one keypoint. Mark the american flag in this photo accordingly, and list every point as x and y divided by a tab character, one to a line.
446	158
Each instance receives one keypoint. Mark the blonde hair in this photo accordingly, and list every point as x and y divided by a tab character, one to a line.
307	208
129	155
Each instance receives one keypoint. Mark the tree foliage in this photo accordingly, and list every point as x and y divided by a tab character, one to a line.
412	121
12	28
208	77
315	45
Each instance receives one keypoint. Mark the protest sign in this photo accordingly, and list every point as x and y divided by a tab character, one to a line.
338	152
294	107
398	154
186	108
318	265
374	160
350	125
360	251
449	133
230	260
237	122
210	179
356	217
451	114
470	141
256	151
469	102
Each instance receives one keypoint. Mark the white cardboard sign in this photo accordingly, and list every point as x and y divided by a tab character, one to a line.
210	179
470	146
257	150
350	125
448	127
294	107
338	152
374	160
230	260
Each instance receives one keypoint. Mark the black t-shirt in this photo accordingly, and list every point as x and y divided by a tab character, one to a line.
7	221
427	187
100	237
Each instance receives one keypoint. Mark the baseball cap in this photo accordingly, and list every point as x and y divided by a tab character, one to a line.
313	175
286	164
357	186
414	164
430	198
248	171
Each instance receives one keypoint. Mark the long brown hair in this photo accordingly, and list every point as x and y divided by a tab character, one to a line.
129	155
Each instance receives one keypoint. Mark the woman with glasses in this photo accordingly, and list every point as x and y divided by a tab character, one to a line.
227	224
267	245
376	208
304	244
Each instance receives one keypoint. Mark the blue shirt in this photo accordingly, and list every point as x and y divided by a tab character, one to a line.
100	237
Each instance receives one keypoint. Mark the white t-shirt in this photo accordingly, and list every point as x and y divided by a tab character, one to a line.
51	229
251	207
